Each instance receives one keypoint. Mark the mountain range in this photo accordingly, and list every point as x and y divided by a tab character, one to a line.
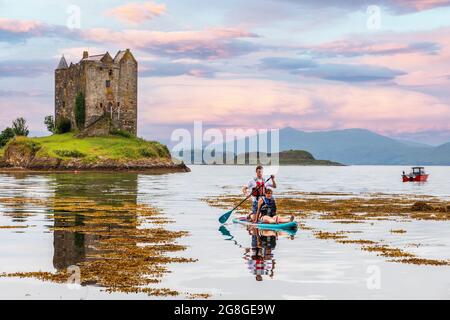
360	147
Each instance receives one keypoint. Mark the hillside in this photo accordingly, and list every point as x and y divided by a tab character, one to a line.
303	158
292	157
359	146
67	152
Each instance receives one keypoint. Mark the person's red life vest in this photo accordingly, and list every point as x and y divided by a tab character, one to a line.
261	191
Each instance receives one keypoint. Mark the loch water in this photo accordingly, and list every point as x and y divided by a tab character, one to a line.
290	266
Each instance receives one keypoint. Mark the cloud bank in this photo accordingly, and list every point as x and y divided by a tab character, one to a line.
136	13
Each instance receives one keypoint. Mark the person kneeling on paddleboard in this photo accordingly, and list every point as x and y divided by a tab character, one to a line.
267	210
257	186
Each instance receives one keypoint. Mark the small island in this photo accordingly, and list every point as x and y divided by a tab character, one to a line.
303	158
67	152
95	124
290	157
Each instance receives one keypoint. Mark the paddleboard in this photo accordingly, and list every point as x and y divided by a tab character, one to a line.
269	226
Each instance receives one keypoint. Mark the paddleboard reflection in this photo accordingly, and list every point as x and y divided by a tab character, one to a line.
259	256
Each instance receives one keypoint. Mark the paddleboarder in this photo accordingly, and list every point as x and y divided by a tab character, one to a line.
257	187
267	210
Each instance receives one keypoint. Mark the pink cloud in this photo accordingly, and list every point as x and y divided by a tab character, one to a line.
422	69
19	26
13	30
419	5
136	13
207	44
380	46
278	104
423	56
213	43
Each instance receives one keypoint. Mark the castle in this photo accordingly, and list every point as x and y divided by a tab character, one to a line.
108	86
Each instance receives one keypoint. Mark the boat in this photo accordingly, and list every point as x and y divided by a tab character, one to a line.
268	226
417	174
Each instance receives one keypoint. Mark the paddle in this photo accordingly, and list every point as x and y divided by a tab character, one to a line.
227	214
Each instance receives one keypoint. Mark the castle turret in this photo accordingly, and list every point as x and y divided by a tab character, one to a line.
62	64
85	54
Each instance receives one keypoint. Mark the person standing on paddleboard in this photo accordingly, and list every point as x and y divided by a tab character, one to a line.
257	186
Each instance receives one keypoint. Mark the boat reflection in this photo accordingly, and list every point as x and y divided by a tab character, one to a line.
259	256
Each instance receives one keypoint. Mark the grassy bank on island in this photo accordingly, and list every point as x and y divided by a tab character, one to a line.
66	151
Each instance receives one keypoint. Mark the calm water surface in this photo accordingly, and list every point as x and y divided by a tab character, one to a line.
291	267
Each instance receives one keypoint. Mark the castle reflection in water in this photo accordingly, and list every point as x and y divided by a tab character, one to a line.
92	191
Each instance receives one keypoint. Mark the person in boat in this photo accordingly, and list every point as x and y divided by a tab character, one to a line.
257	186
267	210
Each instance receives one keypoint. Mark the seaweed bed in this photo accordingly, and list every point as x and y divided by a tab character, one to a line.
124	246
344	208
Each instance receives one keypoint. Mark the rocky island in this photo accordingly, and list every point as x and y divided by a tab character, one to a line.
66	152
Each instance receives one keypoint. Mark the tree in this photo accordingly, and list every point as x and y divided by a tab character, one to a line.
20	127
5	136
50	123
80	110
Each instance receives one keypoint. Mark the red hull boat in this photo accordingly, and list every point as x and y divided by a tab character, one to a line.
417	175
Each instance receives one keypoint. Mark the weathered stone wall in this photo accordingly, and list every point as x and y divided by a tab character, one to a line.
100	127
68	82
118	99
127	117
99	97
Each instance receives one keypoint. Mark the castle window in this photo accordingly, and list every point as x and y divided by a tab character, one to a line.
108	83
118	104
110	72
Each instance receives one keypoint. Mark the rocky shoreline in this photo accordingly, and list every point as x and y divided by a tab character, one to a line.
148	170
100	166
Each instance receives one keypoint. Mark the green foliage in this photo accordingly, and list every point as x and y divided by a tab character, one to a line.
80	110
70	153
121	133
63	126
161	149
148	153
25	145
157	150
50	124
106	147
20	127
5	136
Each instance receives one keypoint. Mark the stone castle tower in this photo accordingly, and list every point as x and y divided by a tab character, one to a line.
108	85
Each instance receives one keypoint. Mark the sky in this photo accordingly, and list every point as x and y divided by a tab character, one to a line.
311	65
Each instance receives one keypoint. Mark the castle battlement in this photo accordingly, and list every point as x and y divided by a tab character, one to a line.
108	85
